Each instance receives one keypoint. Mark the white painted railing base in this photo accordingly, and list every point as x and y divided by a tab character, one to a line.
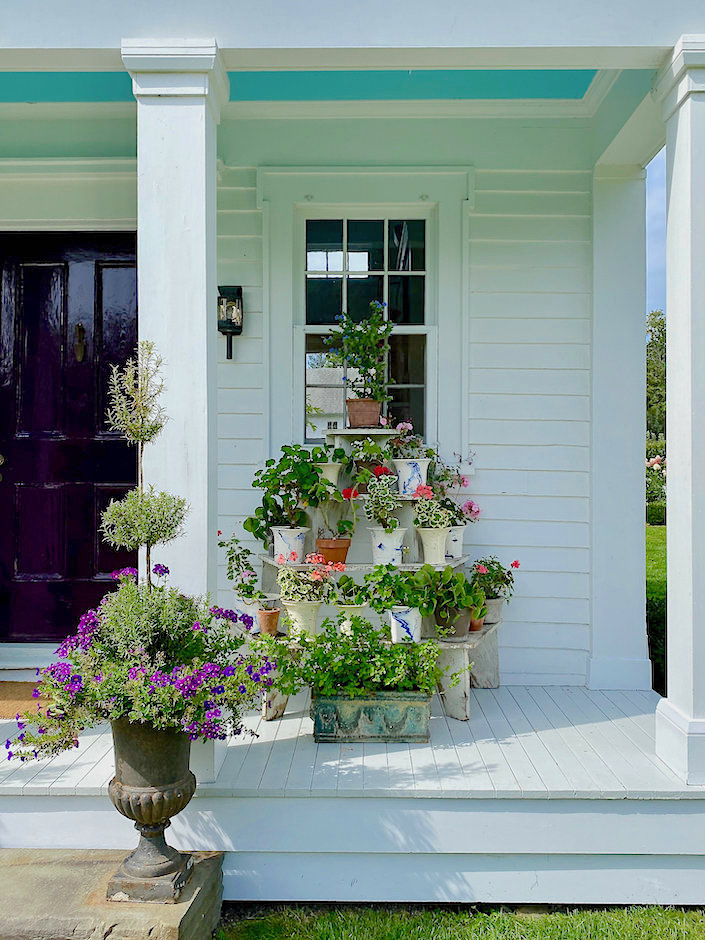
680	742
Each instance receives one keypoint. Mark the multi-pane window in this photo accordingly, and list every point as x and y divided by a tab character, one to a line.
348	264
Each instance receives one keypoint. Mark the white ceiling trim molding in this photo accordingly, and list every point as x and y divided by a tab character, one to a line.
68	168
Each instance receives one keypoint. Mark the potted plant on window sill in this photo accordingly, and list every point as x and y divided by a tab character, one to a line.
496	582
362	687
381	502
291	484
253	606
161	667
333	541
362	350
433	523
304	590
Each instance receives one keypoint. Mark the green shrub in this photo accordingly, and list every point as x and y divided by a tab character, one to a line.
656	631
655	447
656	513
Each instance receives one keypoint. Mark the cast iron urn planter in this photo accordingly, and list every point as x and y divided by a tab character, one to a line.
152	783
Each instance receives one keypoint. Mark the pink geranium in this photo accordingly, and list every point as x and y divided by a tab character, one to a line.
481	569
470	510
423	492
515	564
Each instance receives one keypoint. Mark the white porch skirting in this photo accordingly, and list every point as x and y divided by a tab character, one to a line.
547	795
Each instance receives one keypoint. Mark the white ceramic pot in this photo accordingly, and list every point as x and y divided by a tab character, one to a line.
494	609
411	474
291	543
405	624
454	542
350	610
243	605
387	547
434	545
331	471
303	617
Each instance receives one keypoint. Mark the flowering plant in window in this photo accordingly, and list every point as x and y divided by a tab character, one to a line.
362	349
344	526
315	583
382	502
148	653
240	569
428	512
493	578
409	446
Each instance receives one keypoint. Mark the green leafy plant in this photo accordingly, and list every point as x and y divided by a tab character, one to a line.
349	593
361	348
389	587
240	569
360	661
490	575
453	593
327	453
344	525
291	484
143	518
429	513
382	502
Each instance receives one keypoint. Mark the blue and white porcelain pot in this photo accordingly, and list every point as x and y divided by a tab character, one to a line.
454	542
405	624
291	543
411	474
387	547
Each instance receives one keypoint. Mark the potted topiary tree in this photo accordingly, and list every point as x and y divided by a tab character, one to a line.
291	484
361	349
163	668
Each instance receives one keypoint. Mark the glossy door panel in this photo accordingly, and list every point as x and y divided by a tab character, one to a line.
67	312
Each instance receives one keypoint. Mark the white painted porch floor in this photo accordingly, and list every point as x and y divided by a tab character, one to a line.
520	742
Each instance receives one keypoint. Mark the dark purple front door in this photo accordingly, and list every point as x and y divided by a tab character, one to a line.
67	311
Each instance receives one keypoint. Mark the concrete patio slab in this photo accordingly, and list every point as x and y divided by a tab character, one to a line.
54	894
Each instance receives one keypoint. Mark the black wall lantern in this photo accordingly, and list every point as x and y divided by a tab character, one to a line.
230	314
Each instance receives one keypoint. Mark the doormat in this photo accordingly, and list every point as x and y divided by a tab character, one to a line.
16	697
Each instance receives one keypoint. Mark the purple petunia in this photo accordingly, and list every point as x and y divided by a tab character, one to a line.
160	570
124	573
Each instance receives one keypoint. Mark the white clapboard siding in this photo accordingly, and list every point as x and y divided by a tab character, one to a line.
529	409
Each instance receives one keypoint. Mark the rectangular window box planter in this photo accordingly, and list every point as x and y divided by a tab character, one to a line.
383	716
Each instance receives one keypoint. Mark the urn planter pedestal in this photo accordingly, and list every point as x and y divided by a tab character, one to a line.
152	783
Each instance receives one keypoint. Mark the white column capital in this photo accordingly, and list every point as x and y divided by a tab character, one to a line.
683	75
183	68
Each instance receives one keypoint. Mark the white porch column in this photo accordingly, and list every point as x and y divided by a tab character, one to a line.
180	86
680	718
619	656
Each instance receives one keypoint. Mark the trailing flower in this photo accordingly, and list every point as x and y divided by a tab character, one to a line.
315	583
240	569
429	513
382	502
361	349
493	578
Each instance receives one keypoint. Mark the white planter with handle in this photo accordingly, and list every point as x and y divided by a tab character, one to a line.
454	542
387	547
303	617
411	474
291	543
434	545
405	624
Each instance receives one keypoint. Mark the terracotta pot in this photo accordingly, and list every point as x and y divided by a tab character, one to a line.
363	412
476	624
333	550
268	621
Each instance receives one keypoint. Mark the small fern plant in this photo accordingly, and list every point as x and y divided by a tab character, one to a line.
143	518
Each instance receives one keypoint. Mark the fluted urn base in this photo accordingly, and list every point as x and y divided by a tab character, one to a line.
152	783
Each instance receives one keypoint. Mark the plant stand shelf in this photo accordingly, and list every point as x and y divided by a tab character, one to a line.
482	650
341	437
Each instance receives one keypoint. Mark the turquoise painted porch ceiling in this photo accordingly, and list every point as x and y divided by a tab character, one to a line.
479	84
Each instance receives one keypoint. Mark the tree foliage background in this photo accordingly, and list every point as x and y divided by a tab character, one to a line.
656	374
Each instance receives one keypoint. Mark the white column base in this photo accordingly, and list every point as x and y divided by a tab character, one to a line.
609	673
206	759
680	742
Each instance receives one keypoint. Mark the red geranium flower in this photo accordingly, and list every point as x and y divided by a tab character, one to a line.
382	471
350	493
514	564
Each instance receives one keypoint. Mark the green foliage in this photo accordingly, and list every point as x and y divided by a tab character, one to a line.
452	593
391	587
290	484
357	662
656	513
269	513
382	502
305	584
409	446
348	591
133	394
490	575
327	453
656	373
362	349
655	447
143	519
369	450
431	514
240	569
656	597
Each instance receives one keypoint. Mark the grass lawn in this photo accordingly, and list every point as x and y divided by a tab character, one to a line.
656	553
295	922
